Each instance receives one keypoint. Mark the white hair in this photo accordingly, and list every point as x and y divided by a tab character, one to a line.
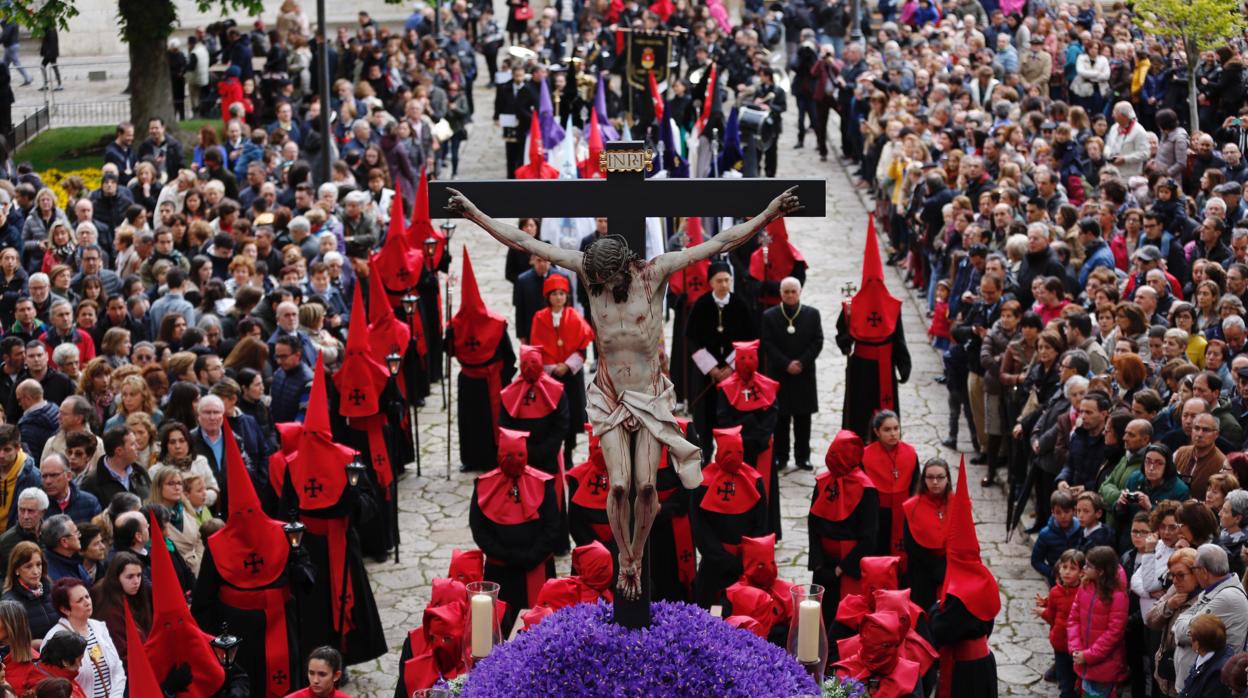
210	400
36	494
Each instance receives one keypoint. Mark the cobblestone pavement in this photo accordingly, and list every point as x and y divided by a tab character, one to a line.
434	510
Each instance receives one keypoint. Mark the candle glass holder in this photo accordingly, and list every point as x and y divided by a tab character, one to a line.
808	638
484	630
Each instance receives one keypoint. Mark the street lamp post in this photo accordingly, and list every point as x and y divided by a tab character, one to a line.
322	87
855	32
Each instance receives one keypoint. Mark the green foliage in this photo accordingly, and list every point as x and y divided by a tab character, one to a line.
1202	25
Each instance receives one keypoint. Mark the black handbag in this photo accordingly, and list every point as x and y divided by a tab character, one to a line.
1165	666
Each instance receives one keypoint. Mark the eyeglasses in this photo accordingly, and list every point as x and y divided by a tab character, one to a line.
1171	528
935	478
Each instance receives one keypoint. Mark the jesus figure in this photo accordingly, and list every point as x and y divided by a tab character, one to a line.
630	401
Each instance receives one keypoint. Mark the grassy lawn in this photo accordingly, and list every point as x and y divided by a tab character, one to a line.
75	147
63	148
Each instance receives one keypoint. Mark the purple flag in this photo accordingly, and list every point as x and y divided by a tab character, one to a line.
600	105
552	132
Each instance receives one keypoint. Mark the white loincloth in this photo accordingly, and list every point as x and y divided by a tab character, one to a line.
654	412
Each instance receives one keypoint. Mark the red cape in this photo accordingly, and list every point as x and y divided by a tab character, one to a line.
839	489
928	520
506	501
730	493
573	334
362	377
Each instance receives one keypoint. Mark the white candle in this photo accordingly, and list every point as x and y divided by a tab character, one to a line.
482	625
807	631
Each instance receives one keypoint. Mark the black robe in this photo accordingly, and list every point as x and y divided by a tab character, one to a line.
703	333
378	533
859	526
757	428
862	383
976	678
210	612
719	569
925	571
664	562
545	442
474	409
431	313
798	394
512	550
367	639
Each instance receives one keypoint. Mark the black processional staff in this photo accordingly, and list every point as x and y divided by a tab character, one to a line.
394	362
355	470
448	232
294	531
412	310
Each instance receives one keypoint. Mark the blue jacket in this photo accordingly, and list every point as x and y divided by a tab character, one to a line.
1085	455
36	426
251	152
1099	255
1101	536
61	567
82	506
1050	545
290	394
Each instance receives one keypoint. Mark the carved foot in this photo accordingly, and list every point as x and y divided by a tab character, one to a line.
630	581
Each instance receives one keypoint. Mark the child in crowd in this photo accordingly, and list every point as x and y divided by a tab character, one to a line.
1090	509
1058	536
1054	609
1096	626
940	330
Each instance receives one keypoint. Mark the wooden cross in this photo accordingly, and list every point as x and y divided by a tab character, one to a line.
727	490
253	562
626	198
313	488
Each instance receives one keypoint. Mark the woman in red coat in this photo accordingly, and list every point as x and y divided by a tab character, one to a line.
231	91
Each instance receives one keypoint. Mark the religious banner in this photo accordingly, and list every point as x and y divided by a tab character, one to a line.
646	53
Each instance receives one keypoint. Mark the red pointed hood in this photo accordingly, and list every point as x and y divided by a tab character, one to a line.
447	591
881	634
467	566
879	573
398	262
756	603
731	484
966	577
729	451
477	329
140	678
844	453
874	311
595	566
691	280
781	255
318	468
175	638
385	333
758	558
589	166
421	226
533	394
251	551
537	168
362	378
554	595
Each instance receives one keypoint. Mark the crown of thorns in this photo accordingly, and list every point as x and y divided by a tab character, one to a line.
613	258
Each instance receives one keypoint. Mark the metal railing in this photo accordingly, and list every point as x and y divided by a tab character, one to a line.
29	127
90	113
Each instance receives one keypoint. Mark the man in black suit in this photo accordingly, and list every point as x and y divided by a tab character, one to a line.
514	103
527	296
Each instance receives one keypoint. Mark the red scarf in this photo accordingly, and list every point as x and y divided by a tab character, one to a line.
838	490
892	473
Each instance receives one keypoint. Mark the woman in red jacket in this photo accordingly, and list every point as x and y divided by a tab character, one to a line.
1096	627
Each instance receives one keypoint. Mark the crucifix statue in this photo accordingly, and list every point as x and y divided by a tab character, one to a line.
630	400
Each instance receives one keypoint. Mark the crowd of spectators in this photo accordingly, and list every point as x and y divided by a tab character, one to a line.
1082	249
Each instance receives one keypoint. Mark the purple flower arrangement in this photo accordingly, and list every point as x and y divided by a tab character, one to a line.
685	653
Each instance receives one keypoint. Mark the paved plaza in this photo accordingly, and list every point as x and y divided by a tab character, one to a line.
434	510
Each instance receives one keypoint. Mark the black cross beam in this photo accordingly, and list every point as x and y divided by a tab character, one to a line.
627	198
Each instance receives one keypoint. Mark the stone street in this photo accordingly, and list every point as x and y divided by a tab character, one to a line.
434	509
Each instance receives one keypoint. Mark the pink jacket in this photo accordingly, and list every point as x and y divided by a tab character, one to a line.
1097	629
